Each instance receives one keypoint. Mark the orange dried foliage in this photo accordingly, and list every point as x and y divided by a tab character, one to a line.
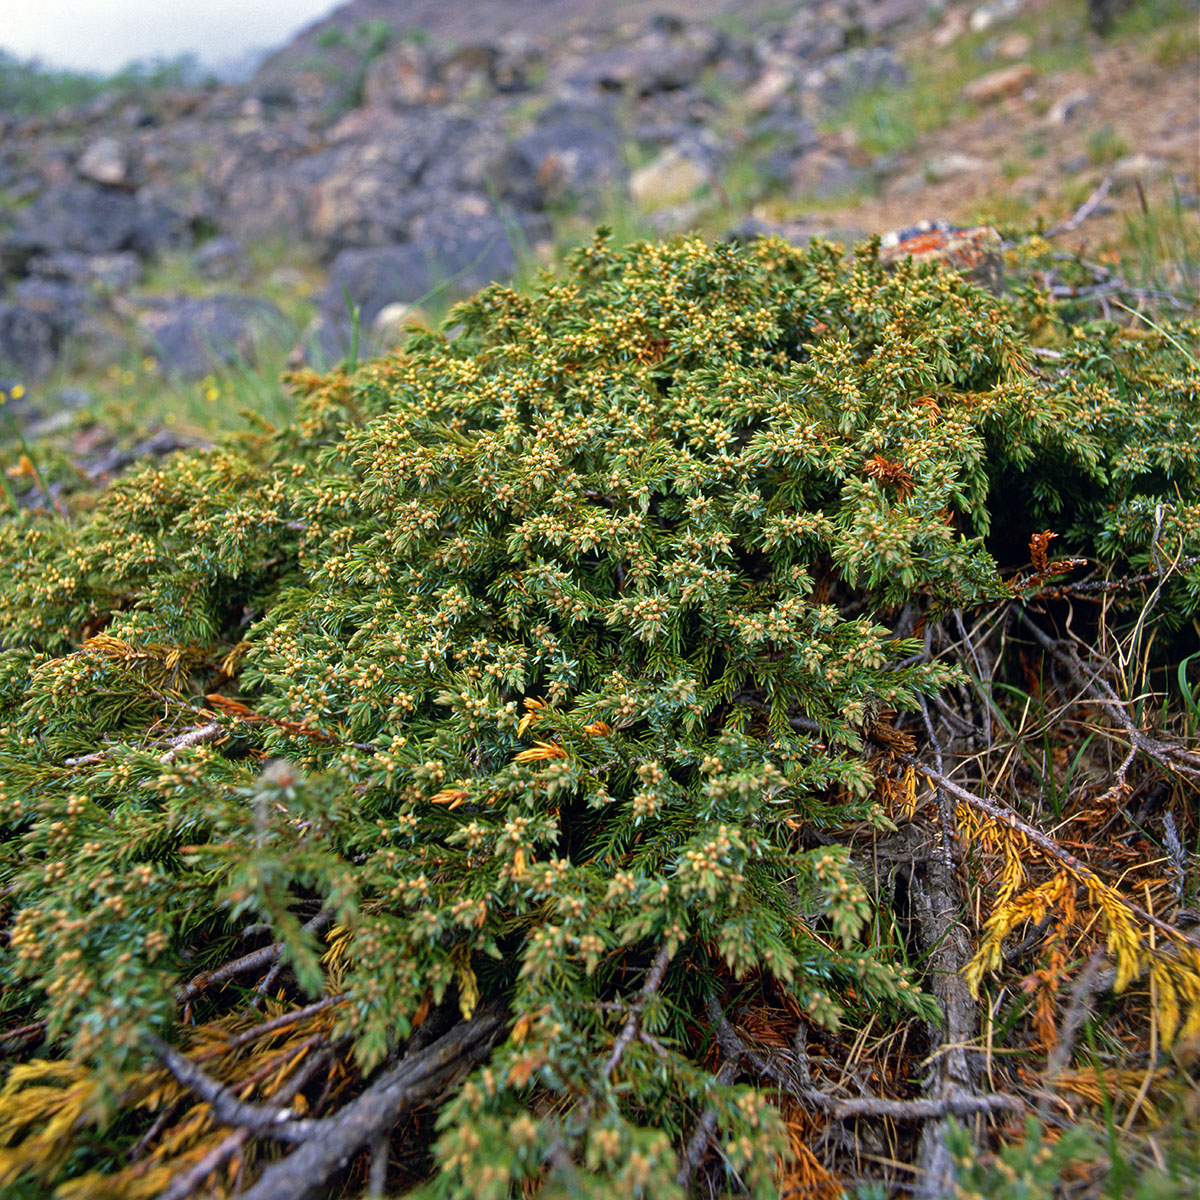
893	474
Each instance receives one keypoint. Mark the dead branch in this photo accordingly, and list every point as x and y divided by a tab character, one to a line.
1005	816
951	1083
230	970
416	1079
1173	758
735	1045
269	1121
193	737
1084	211
698	1143
654	978
267	956
265	1028
188	1183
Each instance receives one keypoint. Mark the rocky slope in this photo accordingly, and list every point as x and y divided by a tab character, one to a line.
398	154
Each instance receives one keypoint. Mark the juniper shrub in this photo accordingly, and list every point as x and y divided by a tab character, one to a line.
530	657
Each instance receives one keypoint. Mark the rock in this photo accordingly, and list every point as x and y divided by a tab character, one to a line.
112	272
221	257
36	321
856	70
105	161
1102	13
797	233
261	177
1014	47
828	174
366	207
392	323
771	87
63	413
1066	108
997	85
573	154
101	467
670	54
672	178
992	13
939	167
451	255
387	170
818	30
191	337
29	341
403	77
887	17
93	220
517	62
1132	168
976	252
954	25
784	137
467	72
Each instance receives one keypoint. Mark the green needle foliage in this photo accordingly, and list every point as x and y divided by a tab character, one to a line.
536	657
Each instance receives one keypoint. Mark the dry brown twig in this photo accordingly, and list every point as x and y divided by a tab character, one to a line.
323	1144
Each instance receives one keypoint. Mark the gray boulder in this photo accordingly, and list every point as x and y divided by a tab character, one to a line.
108	272
451	256
573	154
191	337
35	322
29	342
856	70
669	54
92	219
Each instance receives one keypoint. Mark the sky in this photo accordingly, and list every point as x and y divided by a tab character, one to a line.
105	35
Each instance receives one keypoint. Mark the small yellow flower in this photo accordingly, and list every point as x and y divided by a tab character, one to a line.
17	391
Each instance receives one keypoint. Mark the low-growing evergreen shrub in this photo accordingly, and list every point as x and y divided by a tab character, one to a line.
529	675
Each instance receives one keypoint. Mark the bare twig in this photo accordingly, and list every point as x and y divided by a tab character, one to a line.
189	1183
698	1143
1084	211
416	1079
1005	816
193	737
318	924
654	978
269	1121
253	961
1077	1008
377	1175
733	1044
1174	758
267	956
266	1028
